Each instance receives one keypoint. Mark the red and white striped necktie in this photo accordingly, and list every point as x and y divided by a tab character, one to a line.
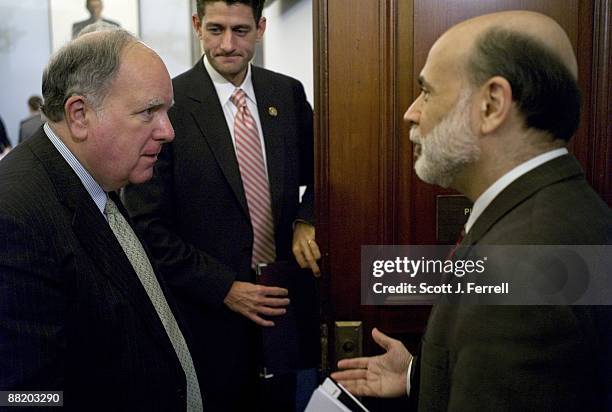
254	180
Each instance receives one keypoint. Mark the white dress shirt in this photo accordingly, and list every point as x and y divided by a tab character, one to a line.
225	89
98	195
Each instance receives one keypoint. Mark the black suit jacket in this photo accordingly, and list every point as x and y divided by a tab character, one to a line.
527	358
73	314
4	140
194	214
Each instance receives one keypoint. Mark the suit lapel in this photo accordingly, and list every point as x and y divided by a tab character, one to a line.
272	127
93	232
210	119
560	168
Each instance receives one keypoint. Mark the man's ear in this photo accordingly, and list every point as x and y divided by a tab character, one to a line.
495	104
75	113
261	28
197	25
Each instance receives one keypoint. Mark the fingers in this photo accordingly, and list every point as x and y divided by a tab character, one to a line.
354	363
358	387
305	248
314	247
271	291
260	321
300	257
350	374
274	302
312	253
383	340
264	310
252	300
306	252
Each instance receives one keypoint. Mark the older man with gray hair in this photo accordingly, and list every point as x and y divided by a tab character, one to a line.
81	308
499	101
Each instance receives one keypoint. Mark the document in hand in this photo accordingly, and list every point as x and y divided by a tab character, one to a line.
333	397
293	343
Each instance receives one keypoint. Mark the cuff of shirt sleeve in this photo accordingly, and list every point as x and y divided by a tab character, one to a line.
296	221
408	377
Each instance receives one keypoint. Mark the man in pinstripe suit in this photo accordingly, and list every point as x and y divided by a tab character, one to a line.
74	315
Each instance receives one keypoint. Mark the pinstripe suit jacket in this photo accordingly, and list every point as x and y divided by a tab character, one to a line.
73	314
525	358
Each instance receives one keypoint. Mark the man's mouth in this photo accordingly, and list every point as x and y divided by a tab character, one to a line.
228	56
417	150
415	138
152	154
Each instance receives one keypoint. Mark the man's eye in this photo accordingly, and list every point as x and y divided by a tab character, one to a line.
214	30
148	113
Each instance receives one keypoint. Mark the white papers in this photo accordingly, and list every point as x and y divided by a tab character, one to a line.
333	397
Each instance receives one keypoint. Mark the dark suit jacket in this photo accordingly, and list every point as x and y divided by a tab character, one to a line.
194	215
73	314
524	358
29	126
80	25
4	140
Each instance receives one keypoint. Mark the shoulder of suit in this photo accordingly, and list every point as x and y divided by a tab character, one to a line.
185	80
269	75
114	23
24	180
565	212
31	118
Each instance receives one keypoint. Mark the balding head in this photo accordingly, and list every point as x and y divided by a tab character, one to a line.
85	66
540	28
533	53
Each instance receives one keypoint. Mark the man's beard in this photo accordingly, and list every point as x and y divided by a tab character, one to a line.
448	147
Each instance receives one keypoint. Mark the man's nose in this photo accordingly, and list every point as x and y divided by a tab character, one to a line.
165	131
411	117
227	41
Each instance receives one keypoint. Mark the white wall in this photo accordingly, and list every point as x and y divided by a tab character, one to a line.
288	41
24	50
25	47
165	25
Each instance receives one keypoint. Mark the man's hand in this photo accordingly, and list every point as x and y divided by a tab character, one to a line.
252	300
305	249
382	376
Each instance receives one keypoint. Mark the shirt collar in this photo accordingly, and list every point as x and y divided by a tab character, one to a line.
496	188
98	195
225	88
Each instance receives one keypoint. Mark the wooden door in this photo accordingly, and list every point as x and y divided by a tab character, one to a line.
368	54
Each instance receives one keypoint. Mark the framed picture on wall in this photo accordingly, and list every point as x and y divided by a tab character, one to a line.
69	17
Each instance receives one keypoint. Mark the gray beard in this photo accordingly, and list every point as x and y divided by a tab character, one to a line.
448	147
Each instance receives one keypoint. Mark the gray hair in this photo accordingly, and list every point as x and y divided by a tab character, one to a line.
543	87
86	66
100	25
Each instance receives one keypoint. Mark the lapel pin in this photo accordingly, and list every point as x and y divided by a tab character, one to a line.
272	111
